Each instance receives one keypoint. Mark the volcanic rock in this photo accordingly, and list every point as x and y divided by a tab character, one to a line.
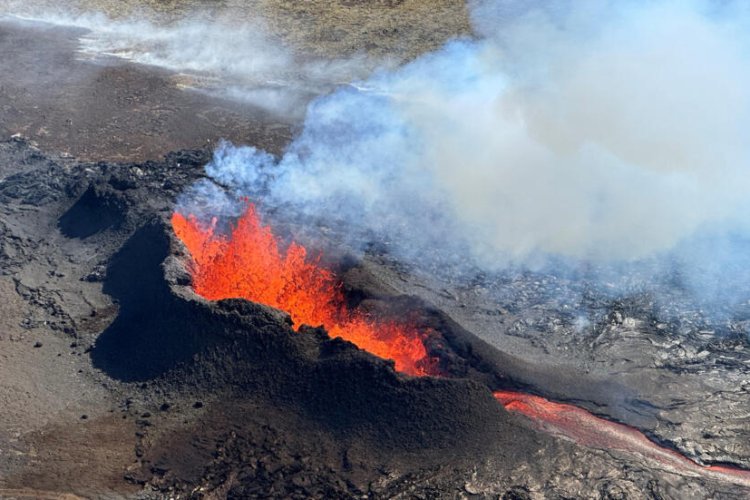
256	408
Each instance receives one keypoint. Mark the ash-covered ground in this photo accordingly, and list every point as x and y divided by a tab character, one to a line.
117	381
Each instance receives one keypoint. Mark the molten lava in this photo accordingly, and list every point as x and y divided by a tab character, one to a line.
589	430
248	263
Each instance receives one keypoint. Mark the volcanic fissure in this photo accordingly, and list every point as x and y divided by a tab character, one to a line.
249	263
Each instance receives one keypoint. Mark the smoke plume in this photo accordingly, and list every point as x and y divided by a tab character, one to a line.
613	132
561	132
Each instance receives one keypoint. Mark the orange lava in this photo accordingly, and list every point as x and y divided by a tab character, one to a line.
248	263
589	430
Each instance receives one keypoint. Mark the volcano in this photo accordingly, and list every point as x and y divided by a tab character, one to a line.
215	388
154	348
247	263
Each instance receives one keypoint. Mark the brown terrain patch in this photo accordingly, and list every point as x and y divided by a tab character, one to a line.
111	111
392	28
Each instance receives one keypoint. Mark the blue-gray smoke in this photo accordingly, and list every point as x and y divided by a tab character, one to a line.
607	132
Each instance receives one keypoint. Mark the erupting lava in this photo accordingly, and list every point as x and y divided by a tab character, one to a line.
248	264
589	430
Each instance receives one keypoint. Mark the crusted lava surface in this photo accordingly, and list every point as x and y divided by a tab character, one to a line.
161	392
213	396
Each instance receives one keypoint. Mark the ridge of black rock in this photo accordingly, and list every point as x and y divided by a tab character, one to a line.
166	334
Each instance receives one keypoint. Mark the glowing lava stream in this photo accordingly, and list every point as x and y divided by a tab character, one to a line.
248	264
591	431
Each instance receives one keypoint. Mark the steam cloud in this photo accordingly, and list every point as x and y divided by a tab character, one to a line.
583	130
240	61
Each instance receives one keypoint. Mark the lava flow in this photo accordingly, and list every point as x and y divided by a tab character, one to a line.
589	430
248	263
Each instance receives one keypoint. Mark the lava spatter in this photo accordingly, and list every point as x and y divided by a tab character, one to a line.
248	263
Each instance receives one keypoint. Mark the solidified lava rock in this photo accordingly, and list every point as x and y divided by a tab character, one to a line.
161	341
97	209
253	408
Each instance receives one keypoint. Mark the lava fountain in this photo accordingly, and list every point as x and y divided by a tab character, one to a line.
249	263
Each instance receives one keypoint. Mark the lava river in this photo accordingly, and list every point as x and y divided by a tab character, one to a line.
591	431
249	263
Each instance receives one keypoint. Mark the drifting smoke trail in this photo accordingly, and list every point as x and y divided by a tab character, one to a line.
237	60
578	131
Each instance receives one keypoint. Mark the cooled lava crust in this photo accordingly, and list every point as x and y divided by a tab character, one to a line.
228	400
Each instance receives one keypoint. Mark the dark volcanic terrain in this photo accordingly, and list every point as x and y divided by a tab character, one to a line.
181	395
132	385
107	109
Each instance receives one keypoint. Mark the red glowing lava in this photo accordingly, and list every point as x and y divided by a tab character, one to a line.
248	263
589	430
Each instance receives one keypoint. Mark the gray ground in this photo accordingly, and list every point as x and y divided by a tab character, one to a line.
110	110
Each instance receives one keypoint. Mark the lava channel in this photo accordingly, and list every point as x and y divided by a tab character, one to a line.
588	430
248	263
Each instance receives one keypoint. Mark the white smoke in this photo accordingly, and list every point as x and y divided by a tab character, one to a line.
239	60
581	130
